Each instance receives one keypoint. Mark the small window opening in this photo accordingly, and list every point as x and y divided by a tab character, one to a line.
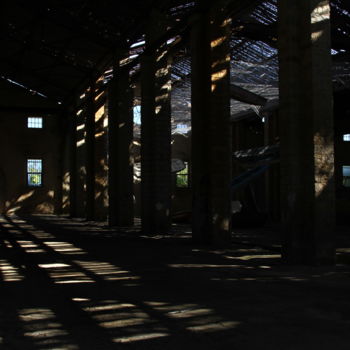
137	114
34	172
346	175
346	137
182	177
182	128
35	122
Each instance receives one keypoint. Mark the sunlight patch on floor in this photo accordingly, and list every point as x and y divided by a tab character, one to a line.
194	317
41	326
253	257
140	337
42	234
203	266
10	273
124	322
30	247
64	247
62	273
214	326
106	270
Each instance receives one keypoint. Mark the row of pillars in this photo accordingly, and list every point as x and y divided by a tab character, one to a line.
306	133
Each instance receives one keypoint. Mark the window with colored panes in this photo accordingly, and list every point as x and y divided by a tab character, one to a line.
34	172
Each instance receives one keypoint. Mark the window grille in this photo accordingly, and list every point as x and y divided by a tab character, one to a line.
34	172
35	122
346	137
182	177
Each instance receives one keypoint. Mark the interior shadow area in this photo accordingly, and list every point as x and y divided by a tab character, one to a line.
69	284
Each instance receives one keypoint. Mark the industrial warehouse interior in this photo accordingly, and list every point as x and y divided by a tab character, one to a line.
175	174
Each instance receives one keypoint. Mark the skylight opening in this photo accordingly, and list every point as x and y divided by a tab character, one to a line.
266	13
171	40
345	12
23	86
179	8
341	10
138	44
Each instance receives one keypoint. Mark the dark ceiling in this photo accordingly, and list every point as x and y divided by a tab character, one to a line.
57	47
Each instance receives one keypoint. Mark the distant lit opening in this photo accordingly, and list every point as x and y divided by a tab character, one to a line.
346	175
137	114
346	137
34	172
181	128
182	177
35	122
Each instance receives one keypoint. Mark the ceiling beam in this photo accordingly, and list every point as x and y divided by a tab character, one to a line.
14	72
240	94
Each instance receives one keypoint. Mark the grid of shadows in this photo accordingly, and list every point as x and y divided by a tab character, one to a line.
75	285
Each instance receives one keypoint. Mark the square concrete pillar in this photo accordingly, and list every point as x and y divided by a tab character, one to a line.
100	155
155	133
71	154
120	161
90	154
80	165
306	128
211	130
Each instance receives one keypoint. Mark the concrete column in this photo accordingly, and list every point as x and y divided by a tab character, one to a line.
72	159
80	170
155	134
90	153
307	156
211	130
272	177
100	155
120	162
2	192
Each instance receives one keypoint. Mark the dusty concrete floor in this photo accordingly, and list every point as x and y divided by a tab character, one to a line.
68	284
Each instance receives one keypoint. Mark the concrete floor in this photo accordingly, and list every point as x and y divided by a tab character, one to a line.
69	284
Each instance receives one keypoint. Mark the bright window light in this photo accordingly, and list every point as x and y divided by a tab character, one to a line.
346	137
182	128
346	175
182	177
137	115
34	172
35	122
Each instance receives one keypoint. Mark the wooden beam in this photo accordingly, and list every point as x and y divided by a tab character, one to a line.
240	94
